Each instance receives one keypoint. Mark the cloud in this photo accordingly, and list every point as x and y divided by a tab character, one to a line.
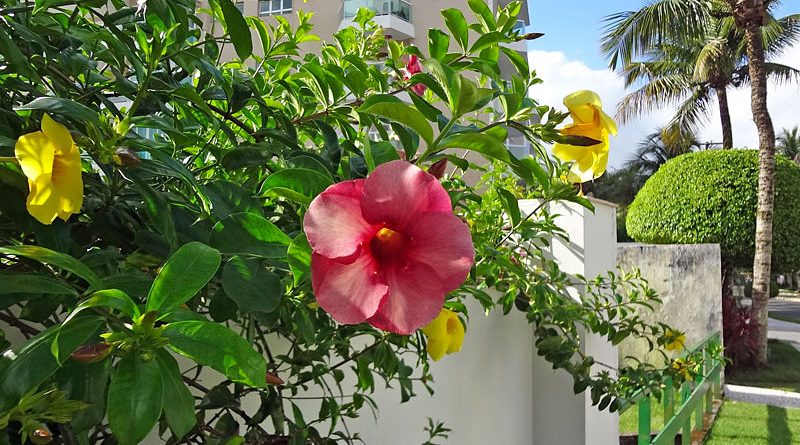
562	76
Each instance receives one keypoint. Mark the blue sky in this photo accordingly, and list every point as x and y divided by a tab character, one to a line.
574	26
568	58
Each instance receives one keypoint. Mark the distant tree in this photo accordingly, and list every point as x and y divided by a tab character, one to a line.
789	143
658	148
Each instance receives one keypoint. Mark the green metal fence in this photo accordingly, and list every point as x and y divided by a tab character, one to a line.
684	407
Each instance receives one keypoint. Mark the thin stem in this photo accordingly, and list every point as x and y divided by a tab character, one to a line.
9	160
341	363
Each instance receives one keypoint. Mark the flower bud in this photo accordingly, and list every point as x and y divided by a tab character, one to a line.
438	167
91	353
273	379
126	157
41	436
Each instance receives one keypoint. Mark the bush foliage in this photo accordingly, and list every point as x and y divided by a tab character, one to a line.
710	197
188	256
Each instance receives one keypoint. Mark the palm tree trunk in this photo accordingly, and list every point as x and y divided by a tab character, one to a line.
725	116
750	14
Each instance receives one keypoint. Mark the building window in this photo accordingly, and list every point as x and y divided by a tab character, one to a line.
240	7
274	7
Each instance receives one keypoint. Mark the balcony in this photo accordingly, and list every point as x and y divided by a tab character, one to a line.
393	15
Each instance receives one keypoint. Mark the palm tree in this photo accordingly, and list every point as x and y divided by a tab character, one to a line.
789	143
686	53
659	147
752	16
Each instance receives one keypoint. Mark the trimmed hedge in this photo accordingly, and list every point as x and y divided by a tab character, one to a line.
710	197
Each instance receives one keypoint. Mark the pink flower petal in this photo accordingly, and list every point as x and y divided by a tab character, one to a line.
415	298
443	242
351	293
334	225
397	192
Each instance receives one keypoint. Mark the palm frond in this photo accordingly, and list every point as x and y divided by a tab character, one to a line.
629	34
659	92
692	113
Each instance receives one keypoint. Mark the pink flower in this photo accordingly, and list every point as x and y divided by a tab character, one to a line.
413	67
387	249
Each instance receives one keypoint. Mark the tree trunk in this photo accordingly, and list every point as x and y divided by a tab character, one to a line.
725	116
750	15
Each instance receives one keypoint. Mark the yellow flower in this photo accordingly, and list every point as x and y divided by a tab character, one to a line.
590	121
52	163
445	334
675	340
681	368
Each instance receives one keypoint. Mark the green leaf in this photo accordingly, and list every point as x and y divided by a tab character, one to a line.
18	286
63	107
158	211
392	108
438	43
237	27
300	258
179	409
34	363
510	204
457	24
251	285
57	259
487	146
135	399
249	234
379	153
86	383
483	13
487	40
214	345
186	272
466	96
297	184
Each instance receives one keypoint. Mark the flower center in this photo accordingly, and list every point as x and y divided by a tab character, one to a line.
388	244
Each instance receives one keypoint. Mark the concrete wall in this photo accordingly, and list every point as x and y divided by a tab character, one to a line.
559	416
688	279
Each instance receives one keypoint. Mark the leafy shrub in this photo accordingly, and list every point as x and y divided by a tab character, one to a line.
191	244
710	197
737	332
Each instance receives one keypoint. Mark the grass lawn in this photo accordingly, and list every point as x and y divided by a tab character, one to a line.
746	424
784	317
742	423
783	371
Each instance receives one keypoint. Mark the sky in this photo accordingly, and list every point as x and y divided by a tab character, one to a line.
568	58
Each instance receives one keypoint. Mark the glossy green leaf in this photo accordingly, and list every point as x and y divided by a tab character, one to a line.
17	286
135	399
34	362
183	276
457	24
487	40
249	234
300	258
398	111
297	184
57	259
487	146
510	204
438	43
179	406
237	27
251	285
213	345
63	107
